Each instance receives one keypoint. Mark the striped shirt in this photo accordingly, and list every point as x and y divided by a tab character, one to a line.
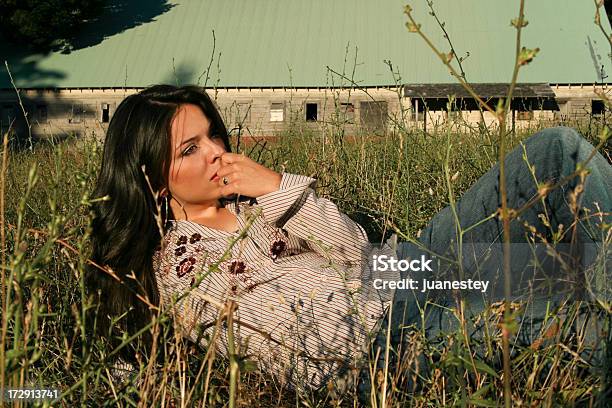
299	271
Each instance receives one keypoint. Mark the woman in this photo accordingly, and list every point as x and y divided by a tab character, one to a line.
184	214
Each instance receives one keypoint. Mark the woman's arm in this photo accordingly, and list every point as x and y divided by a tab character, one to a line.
289	201
296	208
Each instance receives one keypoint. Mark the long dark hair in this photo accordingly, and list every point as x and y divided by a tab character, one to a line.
125	232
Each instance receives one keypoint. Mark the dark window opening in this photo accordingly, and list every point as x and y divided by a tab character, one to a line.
420	107
311	112
436	104
550	104
598	107
525	104
105	113
41	111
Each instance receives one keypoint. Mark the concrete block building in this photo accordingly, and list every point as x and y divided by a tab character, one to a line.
271	63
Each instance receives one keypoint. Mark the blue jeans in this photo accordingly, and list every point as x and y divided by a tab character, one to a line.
555	153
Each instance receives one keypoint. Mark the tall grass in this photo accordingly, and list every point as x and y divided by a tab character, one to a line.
390	182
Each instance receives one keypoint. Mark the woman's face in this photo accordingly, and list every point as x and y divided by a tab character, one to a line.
196	157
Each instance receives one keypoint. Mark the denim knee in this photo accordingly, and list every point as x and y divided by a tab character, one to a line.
566	137
568	144
563	133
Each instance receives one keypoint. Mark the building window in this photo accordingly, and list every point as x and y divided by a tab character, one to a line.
312	112
373	115
80	112
105	113
277	112
348	110
41	113
598	107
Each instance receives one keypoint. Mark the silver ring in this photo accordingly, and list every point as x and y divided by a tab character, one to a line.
225	181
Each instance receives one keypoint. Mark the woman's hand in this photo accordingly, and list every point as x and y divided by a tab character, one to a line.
246	177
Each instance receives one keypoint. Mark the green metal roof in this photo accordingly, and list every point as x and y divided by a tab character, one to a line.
268	43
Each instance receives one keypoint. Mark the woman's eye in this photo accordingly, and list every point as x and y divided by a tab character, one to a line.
189	150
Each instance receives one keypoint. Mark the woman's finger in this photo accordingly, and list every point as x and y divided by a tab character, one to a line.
224	181
229	189
226	169
228	158
227	179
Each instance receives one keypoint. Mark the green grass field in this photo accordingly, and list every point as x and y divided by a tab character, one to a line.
393	182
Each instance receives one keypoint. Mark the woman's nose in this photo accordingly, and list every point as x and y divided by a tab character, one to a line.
214	151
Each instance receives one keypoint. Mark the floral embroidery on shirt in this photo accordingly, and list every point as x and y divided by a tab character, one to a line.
238	272
185	266
182	240
180	250
277	248
278	241
237	267
195	238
